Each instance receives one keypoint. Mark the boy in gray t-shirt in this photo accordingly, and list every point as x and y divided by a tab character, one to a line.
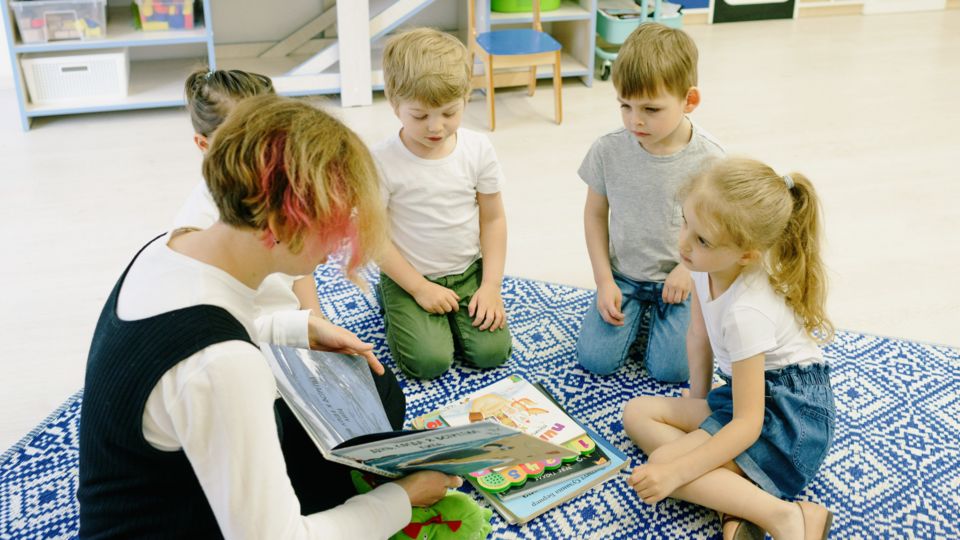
632	217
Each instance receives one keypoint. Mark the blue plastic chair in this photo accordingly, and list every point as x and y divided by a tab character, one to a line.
516	48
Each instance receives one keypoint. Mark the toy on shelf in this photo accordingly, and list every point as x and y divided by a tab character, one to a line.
165	14
522	6
43	21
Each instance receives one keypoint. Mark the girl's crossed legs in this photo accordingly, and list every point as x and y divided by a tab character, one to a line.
667	428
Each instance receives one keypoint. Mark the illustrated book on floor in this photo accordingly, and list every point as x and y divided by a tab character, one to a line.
336	401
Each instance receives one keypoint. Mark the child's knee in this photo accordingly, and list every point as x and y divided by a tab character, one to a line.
490	351
670	372
597	362
636	410
427	362
599	352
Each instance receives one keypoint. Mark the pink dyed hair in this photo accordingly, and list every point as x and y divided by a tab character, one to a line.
281	165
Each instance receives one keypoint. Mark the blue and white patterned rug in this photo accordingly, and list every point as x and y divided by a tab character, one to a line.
893	471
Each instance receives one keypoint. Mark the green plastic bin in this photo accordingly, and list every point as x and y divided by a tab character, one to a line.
522	6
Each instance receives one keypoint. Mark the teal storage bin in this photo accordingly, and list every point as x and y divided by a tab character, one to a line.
615	30
522	6
612	30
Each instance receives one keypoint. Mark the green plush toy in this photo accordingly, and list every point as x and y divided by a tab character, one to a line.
455	517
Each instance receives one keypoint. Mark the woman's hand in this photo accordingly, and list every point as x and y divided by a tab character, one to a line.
427	487
326	336
486	307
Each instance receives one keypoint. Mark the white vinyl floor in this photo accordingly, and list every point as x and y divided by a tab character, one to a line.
864	105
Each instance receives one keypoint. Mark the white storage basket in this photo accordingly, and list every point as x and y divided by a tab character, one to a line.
83	76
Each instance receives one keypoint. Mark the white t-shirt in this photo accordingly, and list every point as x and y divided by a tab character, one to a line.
199	211
432	203
278	306
750	318
217	405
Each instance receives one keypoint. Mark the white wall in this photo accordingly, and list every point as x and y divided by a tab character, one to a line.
898	6
6	76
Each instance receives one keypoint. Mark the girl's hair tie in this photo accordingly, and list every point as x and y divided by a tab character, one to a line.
788	181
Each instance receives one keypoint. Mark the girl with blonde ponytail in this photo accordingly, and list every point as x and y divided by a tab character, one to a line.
751	238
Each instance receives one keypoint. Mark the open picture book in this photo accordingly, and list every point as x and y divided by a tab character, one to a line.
523	491
335	399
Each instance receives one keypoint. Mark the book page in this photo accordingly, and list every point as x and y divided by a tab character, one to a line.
455	450
517	404
332	394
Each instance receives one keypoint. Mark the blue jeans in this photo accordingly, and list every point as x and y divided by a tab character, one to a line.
654	330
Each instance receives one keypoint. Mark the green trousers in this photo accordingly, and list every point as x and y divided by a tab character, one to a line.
425	344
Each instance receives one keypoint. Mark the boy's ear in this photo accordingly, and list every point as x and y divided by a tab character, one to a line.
202	143
692	100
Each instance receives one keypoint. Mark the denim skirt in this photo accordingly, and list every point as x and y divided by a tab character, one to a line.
798	426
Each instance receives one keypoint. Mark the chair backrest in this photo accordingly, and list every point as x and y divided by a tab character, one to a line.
472	18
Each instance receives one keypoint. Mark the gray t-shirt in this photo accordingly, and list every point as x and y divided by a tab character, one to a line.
641	189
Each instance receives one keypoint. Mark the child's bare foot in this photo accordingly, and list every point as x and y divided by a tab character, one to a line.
817	521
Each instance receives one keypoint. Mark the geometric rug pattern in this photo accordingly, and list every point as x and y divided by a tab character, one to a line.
893	470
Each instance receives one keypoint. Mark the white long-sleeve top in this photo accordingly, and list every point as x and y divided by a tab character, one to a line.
217	406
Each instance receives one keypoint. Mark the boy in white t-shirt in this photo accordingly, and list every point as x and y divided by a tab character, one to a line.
441	274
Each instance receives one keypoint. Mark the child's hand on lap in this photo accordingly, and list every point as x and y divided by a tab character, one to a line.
609	299
654	482
486	307
436	299
678	285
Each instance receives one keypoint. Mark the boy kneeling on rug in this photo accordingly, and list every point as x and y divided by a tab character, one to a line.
442	271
